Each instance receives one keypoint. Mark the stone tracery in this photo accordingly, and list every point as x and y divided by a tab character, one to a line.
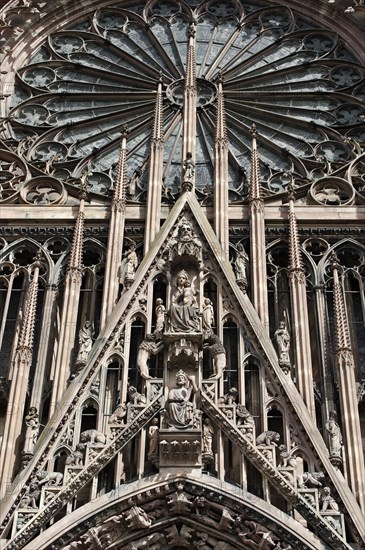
180	338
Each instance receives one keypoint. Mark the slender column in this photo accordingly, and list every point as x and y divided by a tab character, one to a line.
189	129
257	239
116	233
19	384
66	339
298	294
155	175
355	468
221	174
39	374
328	402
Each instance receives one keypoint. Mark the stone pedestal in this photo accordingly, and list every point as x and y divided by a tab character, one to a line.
180	449
183	349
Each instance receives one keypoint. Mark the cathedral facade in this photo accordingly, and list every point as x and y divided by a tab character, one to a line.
182	270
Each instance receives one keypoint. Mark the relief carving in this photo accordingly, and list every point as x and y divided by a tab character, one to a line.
184	242
212	514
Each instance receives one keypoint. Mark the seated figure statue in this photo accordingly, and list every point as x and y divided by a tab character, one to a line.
179	407
183	313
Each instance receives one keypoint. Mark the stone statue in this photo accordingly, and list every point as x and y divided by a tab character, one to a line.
76	458
286	458
179	408
282	339
135	397
253	535
268	438
334	435
189	167
241	262
153	437
150	542
183	311
128	266
229	398
85	342
118	415
327	501
207	437
207	542
185	242
217	353
137	518
134	182
31	496
147	347
205	510
310	479
49	478
243	416
208	315
32	423
160	316
93	437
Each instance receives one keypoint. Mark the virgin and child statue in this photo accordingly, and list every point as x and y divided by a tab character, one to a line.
183	313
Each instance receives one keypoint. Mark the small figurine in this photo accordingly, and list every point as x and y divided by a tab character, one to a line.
32	423
268	438
160	316
283	343
334	435
85	342
153	436
189	167
240	263
207	437
327	500
208	315
128	266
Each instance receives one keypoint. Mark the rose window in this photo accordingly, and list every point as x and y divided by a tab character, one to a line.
299	84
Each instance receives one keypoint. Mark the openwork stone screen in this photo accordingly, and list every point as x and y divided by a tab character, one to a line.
299	84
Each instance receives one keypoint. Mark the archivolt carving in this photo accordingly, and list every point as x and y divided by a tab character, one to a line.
180	513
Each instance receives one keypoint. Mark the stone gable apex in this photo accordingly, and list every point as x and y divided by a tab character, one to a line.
187	207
